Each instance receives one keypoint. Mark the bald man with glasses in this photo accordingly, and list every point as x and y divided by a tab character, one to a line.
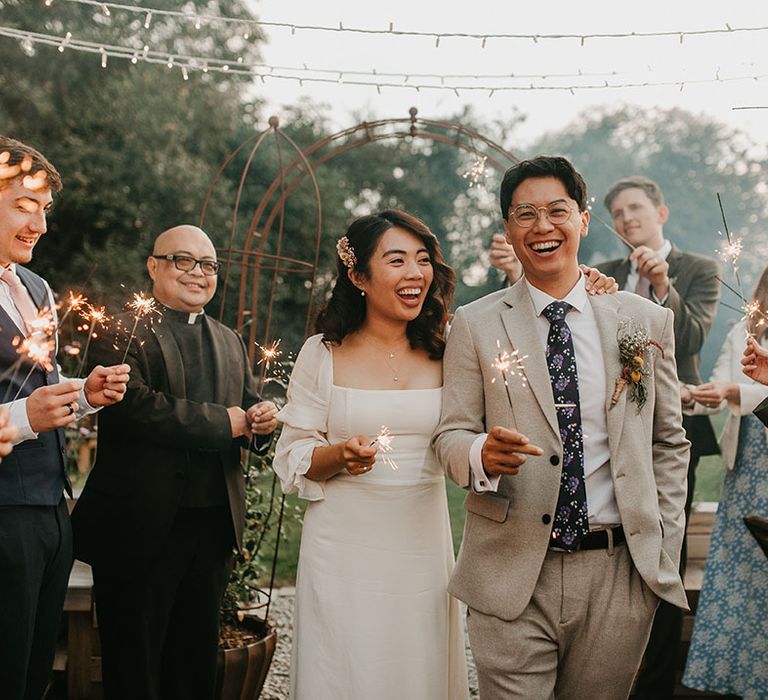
164	506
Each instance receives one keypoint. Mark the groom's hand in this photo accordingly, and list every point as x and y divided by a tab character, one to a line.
504	451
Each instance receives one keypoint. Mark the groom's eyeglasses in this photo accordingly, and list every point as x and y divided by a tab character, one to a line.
186	264
526	215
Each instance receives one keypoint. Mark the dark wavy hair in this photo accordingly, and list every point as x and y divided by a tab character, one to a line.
345	311
543	166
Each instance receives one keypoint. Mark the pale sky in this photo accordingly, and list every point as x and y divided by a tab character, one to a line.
634	59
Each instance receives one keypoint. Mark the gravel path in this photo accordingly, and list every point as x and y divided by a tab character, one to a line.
281	612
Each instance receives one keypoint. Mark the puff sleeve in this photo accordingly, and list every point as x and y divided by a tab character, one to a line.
305	419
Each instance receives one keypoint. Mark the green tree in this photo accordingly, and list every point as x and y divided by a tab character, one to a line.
136	144
693	158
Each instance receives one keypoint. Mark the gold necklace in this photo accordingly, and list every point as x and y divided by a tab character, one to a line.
388	355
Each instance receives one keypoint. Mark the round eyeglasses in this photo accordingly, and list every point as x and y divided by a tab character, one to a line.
526	215
185	263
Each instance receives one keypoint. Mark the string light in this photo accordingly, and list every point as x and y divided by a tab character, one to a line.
436	36
211	64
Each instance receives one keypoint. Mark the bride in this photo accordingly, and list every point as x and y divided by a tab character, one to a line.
372	618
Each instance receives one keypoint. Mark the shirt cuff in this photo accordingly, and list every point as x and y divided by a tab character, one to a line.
661	301
19	418
83	407
481	482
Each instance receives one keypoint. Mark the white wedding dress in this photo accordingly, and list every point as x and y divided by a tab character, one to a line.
372	618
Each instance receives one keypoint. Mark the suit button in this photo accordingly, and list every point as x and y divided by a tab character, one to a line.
554	460
546	519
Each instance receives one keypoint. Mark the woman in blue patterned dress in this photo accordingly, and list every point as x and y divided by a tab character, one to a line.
729	647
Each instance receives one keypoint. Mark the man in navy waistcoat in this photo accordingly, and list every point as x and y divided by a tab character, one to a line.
35	532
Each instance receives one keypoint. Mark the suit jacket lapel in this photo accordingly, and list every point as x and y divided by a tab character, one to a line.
174	367
607	310
622	272
219	354
674	259
519	322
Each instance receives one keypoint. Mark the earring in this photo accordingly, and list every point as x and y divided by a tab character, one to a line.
362	292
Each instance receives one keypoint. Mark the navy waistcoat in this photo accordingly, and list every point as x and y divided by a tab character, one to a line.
34	473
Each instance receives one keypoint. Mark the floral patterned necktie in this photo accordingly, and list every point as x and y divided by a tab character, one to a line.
571	520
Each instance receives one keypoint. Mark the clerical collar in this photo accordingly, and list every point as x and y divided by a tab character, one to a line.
183	317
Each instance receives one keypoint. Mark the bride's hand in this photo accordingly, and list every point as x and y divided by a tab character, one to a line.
597	282
357	455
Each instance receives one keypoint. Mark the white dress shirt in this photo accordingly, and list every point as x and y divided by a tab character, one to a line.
601	500
18	408
634	276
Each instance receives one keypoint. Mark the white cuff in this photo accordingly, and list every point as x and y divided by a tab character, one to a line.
660	302
83	407
19	418
481	482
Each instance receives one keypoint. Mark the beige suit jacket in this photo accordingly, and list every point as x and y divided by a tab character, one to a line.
506	534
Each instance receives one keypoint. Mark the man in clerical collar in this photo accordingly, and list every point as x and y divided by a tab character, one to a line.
35	532
686	283
165	503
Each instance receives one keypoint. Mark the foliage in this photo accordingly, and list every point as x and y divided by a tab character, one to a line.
251	574
692	157
136	144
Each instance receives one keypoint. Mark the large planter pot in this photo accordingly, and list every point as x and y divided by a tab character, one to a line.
240	672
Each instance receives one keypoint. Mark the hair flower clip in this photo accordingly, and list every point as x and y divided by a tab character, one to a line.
346	252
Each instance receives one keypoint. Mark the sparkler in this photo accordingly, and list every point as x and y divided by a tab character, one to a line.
509	363
476	172
274	369
74	302
384	441
597	216
97	317
730	253
38	349
142	306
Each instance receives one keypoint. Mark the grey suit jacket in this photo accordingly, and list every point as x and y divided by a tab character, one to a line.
693	295
506	534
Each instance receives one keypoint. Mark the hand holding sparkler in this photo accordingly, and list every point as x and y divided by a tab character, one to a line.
357	455
8	433
755	362
106	385
53	406
504	451
261	418
653	267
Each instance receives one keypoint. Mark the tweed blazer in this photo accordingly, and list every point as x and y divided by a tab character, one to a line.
507	533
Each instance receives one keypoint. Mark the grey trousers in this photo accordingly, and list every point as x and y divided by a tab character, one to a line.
582	635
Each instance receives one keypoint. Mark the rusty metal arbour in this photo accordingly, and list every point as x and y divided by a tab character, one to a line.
255	263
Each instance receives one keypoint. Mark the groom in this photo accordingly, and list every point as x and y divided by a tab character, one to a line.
575	509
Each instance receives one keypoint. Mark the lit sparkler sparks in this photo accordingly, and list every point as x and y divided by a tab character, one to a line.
384	441
74	302
269	354
509	363
37	349
730	252
476	172
43	323
97	316
142	306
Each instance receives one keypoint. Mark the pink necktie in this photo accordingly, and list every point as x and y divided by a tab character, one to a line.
20	297
643	287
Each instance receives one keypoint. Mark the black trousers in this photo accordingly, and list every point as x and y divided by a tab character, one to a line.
35	561
159	633
657	681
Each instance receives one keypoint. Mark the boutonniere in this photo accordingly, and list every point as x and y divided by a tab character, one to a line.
634	345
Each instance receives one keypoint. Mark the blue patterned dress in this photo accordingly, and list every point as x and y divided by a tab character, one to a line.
729	648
